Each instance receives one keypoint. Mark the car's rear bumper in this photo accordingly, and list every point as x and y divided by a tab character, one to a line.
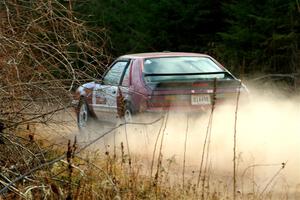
199	108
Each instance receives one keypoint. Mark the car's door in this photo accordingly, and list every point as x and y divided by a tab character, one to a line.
105	94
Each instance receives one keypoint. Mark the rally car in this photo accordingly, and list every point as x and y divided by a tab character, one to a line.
156	82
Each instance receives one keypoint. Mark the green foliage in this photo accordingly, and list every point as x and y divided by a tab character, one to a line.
138	26
126	22
246	35
261	36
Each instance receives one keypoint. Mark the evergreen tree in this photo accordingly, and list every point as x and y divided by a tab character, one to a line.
246	35
261	36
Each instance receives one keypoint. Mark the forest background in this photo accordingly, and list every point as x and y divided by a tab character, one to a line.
246	35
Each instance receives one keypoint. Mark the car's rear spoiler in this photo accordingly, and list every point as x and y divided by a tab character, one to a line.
187	74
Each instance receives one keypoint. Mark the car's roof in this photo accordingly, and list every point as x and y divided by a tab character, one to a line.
160	54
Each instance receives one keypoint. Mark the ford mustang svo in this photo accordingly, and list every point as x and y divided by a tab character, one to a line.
156	82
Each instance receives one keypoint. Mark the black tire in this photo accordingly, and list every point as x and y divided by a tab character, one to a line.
83	115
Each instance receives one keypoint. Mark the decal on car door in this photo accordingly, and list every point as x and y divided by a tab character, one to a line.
100	97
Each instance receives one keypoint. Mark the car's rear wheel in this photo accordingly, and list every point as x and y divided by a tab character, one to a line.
83	114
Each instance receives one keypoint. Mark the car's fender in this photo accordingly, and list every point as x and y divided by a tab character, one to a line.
85	91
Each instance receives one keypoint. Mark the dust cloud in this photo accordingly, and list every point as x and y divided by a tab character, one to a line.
268	141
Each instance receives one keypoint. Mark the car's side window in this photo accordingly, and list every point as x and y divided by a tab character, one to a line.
113	76
125	81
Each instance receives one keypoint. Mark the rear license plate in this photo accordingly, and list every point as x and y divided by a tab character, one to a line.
200	99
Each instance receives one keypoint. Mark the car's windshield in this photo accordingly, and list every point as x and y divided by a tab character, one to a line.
181	69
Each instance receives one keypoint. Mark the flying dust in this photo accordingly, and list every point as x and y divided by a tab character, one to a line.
268	141
267	135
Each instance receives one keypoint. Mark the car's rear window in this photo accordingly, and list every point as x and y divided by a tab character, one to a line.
179	68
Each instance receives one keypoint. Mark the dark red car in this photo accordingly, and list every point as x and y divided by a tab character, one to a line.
154	82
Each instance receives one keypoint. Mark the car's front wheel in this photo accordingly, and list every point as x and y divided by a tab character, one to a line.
83	114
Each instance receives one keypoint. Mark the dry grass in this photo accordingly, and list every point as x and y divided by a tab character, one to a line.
74	171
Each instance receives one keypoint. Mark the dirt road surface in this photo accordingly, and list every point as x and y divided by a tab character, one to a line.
268	141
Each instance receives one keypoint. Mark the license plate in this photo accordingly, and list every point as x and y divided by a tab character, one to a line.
200	99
